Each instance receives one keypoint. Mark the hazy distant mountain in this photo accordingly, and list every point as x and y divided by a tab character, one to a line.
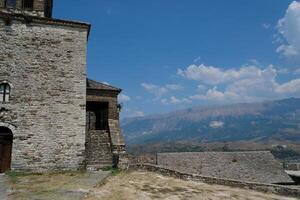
278	120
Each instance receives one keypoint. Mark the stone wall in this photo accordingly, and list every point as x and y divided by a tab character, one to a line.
45	62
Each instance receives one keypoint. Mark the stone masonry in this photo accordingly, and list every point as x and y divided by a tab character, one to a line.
58	119
44	60
105	145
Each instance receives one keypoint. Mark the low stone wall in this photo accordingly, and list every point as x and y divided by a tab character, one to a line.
266	188
292	166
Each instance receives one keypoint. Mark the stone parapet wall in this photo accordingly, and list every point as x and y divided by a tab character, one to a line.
46	66
292	166
266	188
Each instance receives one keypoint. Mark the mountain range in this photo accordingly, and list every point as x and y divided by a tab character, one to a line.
269	120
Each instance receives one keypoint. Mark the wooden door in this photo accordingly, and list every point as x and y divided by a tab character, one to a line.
5	152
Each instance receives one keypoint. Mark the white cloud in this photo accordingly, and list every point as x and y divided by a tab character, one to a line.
253	62
174	100
262	85
291	87
159	91
287	50
245	85
173	87
289	29
215	95
206	74
198	59
297	71
124	98
216	124
201	88
283	71
154	89
213	76
266	26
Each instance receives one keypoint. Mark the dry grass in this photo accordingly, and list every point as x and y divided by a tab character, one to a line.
123	186
64	186
146	186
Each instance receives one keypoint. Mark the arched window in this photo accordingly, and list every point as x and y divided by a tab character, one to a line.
10	3
28	4
4	92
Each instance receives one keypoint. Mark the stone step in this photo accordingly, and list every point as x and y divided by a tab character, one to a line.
100	151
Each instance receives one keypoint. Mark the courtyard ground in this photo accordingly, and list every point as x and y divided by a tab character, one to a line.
147	186
52	186
133	185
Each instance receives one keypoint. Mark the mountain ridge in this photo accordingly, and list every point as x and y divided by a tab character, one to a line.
233	122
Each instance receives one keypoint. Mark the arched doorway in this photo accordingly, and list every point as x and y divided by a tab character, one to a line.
6	140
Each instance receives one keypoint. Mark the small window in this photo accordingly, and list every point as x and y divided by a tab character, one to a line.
28	4
10	3
4	92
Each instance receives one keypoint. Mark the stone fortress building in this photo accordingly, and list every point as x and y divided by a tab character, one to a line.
51	116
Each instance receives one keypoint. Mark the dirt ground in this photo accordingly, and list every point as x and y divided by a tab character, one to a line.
147	186
120	186
52	186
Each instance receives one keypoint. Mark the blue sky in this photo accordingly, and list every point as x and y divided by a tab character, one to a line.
174	54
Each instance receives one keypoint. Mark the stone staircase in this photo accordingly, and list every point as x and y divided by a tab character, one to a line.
99	151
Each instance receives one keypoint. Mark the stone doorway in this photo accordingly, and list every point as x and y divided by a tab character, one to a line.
97	115
98	141
6	141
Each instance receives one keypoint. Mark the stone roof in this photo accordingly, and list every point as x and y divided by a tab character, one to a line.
91	84
254	166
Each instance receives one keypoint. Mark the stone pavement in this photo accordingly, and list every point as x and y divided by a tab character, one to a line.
3	186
